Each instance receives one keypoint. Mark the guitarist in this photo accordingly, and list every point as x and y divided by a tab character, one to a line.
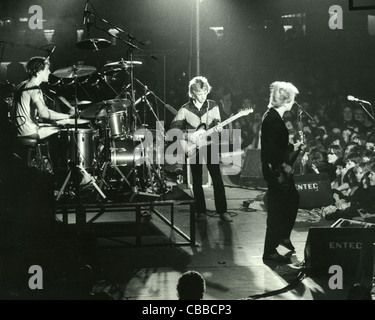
200	110
282	196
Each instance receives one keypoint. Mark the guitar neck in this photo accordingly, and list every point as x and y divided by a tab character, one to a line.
224	123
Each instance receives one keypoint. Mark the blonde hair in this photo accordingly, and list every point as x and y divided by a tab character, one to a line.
281	92
198	83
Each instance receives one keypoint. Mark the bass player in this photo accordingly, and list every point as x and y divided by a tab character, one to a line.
197	111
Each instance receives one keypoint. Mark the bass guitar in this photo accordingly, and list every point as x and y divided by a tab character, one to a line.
198	139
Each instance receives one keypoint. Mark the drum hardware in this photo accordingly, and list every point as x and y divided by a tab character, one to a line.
74	72
119	154
93	44
112	161
102	109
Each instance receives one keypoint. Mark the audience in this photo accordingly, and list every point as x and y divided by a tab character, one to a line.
191	286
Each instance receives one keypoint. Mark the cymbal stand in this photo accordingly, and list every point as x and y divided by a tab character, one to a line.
73	168
132	46
152	171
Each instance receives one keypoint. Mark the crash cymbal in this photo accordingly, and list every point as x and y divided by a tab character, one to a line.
122	64
93	44
71	72
105	108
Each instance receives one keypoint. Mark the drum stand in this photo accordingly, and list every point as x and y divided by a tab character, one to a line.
76	180
74	169
107	163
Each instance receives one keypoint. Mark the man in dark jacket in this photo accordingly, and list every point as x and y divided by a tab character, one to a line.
282	196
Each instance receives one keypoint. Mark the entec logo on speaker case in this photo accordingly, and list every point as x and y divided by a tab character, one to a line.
346	245
308	186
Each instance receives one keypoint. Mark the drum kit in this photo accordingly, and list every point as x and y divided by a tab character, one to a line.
101	138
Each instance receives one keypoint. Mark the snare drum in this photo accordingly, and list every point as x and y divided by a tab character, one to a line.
117	124
84	146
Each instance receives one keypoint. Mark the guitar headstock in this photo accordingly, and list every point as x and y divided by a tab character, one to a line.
245	112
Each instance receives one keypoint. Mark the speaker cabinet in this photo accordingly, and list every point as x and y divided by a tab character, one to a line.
314	190
350	248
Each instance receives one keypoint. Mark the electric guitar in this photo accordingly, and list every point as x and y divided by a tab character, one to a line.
284	178
198	139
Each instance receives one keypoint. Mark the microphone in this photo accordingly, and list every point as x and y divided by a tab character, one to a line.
85	12
351	98
51	51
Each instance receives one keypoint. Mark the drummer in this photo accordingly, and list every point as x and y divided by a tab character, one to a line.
29	103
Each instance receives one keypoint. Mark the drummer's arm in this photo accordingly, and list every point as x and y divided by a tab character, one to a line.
43	110
68	104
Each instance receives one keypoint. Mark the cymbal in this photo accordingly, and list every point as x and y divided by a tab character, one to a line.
122	64
105	108
71	72
93	44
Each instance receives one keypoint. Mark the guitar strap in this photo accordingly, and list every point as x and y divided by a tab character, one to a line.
208	107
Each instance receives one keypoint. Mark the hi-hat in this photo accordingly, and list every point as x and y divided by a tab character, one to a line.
71	72
106	107
93	44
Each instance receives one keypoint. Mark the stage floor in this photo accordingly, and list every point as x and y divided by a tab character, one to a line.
228	255
110	258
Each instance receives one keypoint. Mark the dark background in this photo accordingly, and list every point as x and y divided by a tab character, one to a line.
252	51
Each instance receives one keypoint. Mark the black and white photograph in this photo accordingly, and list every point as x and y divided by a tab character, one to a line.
211	151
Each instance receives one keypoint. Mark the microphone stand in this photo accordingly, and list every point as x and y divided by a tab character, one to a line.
156	97
369	114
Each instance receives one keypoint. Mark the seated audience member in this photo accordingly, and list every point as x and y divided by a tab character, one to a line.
370	143
368	156
333	139
191	286
350	160
354	148
359	117
358	139
358	199
368	126
339	175
367	211
346	134
346	117
317	161
334	154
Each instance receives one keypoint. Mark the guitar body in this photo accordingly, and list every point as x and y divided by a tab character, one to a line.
199	138
284	179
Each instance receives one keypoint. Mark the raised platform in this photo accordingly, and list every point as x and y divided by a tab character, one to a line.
113	218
